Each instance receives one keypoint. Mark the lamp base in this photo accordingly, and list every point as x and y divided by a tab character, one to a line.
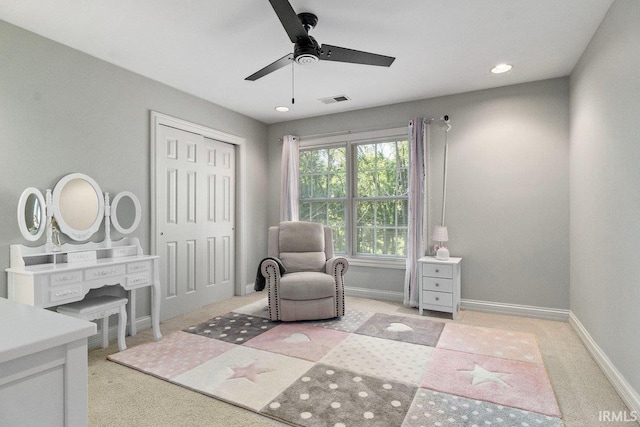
442	254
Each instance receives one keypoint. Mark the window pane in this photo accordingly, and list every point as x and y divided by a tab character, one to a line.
338	185
305	212
336	219
402	211
381	169
366	214
305	186
323	173
365	241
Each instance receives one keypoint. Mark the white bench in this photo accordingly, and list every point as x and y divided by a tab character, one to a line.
101	307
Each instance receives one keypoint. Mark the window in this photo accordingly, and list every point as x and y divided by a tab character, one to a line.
360	189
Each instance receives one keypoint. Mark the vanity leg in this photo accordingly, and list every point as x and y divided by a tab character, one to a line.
155	310
122	324
132	312
105	331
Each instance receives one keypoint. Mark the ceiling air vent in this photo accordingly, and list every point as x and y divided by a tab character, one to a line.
334	99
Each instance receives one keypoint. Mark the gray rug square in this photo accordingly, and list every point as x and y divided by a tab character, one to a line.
236	328
330	396
351	321
431	408
406	329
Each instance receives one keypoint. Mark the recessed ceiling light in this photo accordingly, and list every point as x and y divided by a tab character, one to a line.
282	109
501	68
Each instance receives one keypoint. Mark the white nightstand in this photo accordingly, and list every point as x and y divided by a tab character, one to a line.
440	285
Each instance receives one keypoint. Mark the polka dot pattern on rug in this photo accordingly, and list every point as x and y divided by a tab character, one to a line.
333	396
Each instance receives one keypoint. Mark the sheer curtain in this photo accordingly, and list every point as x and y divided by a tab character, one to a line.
289	191
417	224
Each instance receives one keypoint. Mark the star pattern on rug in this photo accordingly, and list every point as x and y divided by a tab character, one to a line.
250	372
481	375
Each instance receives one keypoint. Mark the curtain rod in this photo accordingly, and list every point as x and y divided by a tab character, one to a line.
370	129
348	132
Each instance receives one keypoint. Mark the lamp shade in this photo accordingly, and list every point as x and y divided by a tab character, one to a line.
440	234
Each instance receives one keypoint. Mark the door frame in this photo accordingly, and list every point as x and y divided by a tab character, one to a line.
158	119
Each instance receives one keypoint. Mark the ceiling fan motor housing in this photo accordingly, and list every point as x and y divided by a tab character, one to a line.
306	51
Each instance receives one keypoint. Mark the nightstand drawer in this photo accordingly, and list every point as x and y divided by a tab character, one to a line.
437	270
437	284
437	298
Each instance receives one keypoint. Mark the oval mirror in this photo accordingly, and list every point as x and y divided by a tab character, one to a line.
78	206
32	214
125	212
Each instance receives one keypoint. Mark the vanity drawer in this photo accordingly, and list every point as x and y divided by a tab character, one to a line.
136	280
65	278
437	270
64	294
137	267
437	284
437	298
101	272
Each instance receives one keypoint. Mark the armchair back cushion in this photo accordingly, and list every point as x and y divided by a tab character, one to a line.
302	246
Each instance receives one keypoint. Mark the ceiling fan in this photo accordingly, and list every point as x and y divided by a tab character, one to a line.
306	49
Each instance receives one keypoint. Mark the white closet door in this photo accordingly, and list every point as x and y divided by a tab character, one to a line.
195	209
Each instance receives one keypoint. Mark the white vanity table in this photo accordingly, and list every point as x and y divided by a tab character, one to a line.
54	274
47	279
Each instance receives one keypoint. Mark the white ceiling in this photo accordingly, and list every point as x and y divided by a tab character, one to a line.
207	47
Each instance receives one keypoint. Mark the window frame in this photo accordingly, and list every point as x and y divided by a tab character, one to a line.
350	141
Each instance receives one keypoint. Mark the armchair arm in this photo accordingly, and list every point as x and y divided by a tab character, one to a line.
271	266
337	266
270	269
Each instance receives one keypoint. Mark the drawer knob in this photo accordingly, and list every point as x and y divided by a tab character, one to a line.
437	271
437	284
437	298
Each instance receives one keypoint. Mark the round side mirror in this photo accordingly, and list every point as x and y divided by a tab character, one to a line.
125	212
32	216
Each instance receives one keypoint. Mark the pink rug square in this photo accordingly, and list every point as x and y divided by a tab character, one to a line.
512	383
490	342
174	354
298	340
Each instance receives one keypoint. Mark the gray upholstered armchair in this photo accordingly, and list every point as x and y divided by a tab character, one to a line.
312	287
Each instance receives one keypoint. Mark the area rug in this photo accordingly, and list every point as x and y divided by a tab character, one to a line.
364	369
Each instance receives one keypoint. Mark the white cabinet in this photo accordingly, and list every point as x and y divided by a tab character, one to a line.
440	285
43	367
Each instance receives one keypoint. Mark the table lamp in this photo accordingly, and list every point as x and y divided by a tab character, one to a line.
441	235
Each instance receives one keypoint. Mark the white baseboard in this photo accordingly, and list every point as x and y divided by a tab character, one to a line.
374	294
249	289
628	395
516	310
95	341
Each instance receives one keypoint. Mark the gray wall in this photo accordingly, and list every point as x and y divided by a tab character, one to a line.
62	111
508	188
605	188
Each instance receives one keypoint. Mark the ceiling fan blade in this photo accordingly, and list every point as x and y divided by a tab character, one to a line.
289	20
342	54
282	62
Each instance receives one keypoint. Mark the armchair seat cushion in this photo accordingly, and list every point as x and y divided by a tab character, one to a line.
307	285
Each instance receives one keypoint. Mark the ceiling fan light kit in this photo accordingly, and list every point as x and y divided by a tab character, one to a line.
306	50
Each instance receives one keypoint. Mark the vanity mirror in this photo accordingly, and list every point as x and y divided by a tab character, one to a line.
59	272
78	206
125	212
32	216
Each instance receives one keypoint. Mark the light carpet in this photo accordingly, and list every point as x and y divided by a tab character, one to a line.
368	369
